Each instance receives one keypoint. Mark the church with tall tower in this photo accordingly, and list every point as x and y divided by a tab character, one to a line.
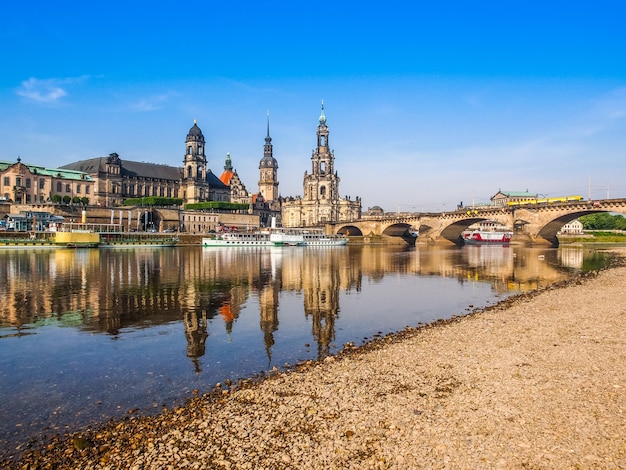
196	186
320	202
268	169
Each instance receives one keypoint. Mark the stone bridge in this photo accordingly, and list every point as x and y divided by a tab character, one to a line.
532	224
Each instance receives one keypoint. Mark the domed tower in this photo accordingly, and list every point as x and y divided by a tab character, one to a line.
194	166
268	169
195	160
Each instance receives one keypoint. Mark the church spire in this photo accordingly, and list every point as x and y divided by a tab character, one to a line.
268	139
322	115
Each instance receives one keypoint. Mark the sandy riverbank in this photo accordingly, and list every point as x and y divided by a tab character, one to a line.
535	382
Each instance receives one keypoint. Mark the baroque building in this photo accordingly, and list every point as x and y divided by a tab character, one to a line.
116	180
321	202
32	184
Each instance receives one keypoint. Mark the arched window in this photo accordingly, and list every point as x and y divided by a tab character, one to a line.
59	187
323	192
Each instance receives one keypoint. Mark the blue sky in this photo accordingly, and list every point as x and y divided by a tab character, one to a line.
428	103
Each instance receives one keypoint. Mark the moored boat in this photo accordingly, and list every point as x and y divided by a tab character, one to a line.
275	237
238	239
287	237
487	232
318	238
482	237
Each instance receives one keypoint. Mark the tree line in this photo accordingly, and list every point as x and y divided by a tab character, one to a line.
603	221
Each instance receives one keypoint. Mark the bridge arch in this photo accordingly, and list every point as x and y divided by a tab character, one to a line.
350	231
549	231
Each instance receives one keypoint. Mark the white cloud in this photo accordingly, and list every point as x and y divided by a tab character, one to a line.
47	91
151	103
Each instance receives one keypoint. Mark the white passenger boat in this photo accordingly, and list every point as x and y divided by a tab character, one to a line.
276	237
487	233
481	237
238	239
318	238
287	237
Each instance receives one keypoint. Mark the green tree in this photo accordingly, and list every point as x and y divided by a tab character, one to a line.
66	199
603	221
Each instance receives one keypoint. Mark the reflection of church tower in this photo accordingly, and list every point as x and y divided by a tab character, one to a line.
269	284
196	333
268	169
268	299
194	166
321	300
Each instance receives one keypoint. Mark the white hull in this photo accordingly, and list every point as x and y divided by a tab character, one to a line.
325	241
281	237
480	237
241	240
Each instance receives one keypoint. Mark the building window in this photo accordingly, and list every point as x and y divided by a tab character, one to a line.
78	189
18	181
68	189
59	187
28	182
27	198
86	189
42	183
7	181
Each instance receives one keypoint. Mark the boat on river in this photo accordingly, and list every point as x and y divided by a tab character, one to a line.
487	233
482	237
136	239
238	239
27	242
275	237
319	238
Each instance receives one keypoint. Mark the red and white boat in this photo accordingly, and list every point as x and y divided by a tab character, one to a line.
487	233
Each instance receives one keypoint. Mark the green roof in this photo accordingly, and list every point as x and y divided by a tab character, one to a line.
52	172
518	193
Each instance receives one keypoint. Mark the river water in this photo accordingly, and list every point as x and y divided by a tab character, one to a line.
87	335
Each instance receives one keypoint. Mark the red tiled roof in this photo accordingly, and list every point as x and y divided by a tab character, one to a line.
226	177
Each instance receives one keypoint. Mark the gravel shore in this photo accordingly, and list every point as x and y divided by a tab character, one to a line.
536	382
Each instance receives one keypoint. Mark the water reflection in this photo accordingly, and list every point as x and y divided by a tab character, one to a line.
110	290
87	334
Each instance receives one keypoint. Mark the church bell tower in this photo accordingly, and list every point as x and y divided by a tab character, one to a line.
194	166
322	184
268	169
